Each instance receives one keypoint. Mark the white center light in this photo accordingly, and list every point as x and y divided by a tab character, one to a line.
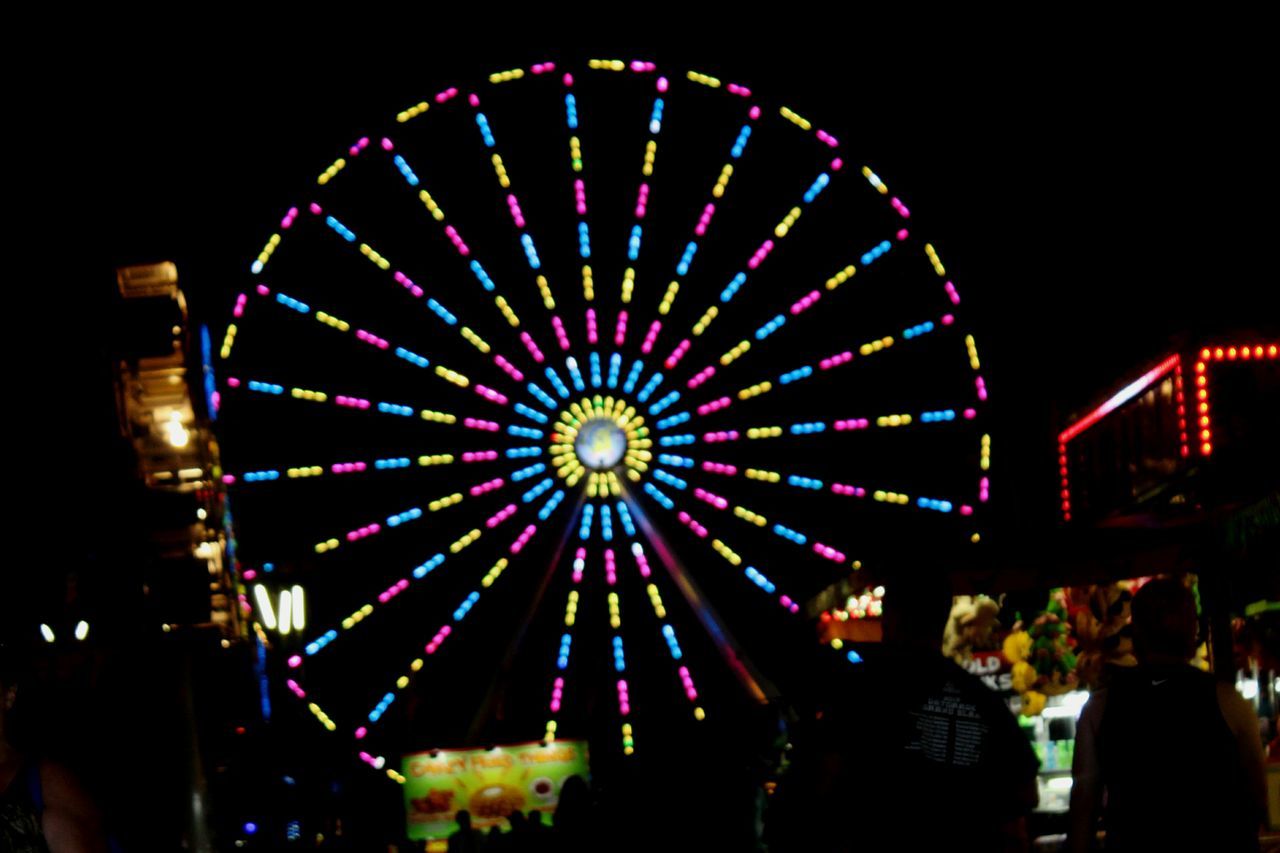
600	444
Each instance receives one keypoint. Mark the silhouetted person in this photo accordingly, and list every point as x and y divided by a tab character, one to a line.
908	751
1176	753
42	807
573	827
465	839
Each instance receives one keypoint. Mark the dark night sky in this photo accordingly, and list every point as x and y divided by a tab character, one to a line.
1093	198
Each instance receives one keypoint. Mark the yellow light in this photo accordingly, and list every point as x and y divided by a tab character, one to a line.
436	213
501	171
452	376
475	340
506	76
437	459
299	610
588	284
175	433
507	310
704	79
286	611
650	154
545	289
699	714
975	538
723	181
795	119
402	682
628	284
416	665
265	613
933	259
47	633
669	297
840	277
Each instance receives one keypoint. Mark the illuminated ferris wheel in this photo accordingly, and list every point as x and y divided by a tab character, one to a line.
608	354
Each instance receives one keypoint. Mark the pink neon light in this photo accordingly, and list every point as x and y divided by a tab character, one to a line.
295	661
754	113
692	523
687	680
651	337
457	240
828	138
439	638
263	290
705	220
476	423
903	234
806	301
508	368
849	491
970	414
240	303
662	84
491	395
561	337
361	733
500	516
677	353
233	382
347	467
363	532
642	67
828	552
287	222
473	99
480	456
489	486
351	402
714	406
982	388
523	538
228	479
386	144
900	207
701	376
719	468
579	563
835	360
567	79
315	209
984	489
250	574
591	326
610	567
1125	394
620	335
527	340
580	196
408	284
965	509
514	206
557	692
642	201
642	563
371	338
837	164
951	293
451	92
715	437
763	252
624	703
543	68
742	91
711	498
852	423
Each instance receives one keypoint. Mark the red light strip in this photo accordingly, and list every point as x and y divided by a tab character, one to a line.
1208	355
1125	394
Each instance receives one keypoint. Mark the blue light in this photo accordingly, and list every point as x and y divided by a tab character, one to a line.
387	464
917	330
879	250
669	479
934	417
796	375
625	515
770	327
656	493
596	379
250	828
584	240
530	252
290	302
633	245
523	452
571	111
442	312
606	523
574	373
259	476
854	657
665	403
265	387
674	420
526	473
934	504
741	143
347	233
395	409
788	533
633	376
734	286
677	461
619	659
808	428
804	482
482	275
676	440
524	432
465	606
670	634
566	641
484	130
406	171
655	118
557	384
412	358
423	570
760	580
542	396
584	528
818	186
401	518
534	414
615	367
551	504
649	387
690	250
537	491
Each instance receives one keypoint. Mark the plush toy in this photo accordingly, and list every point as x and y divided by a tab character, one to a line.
1042	657
970	628
1102	631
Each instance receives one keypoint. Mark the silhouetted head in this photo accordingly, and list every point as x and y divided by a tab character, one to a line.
464	820
916	608
1164	622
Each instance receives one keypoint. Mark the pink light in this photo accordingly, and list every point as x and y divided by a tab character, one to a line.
951	293
642	200
1121	397
965	509
828	138
439	638
263	290
315	209
386	144
837	164
754	113
715	437
719	468
473	99
228	479
610	568
948	319
805	302
567	79
523	539
763	252
970	414
514	206
480	456
711	498
580	195
491	395
508	368
662	84
561	337
620	335
835	360
527	340
457	240
742	91
851	424
475	423
361	732
677	353
651	337
543	68
489	486
642	563
296	688
902	234
233	382
900	207
250	574
451	92
579	563
591	326
984	489
714	406
982	388
701	376
500	516
828	552
295	661
705	220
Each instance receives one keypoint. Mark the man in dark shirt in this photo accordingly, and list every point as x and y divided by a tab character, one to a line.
1178	755
909	749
